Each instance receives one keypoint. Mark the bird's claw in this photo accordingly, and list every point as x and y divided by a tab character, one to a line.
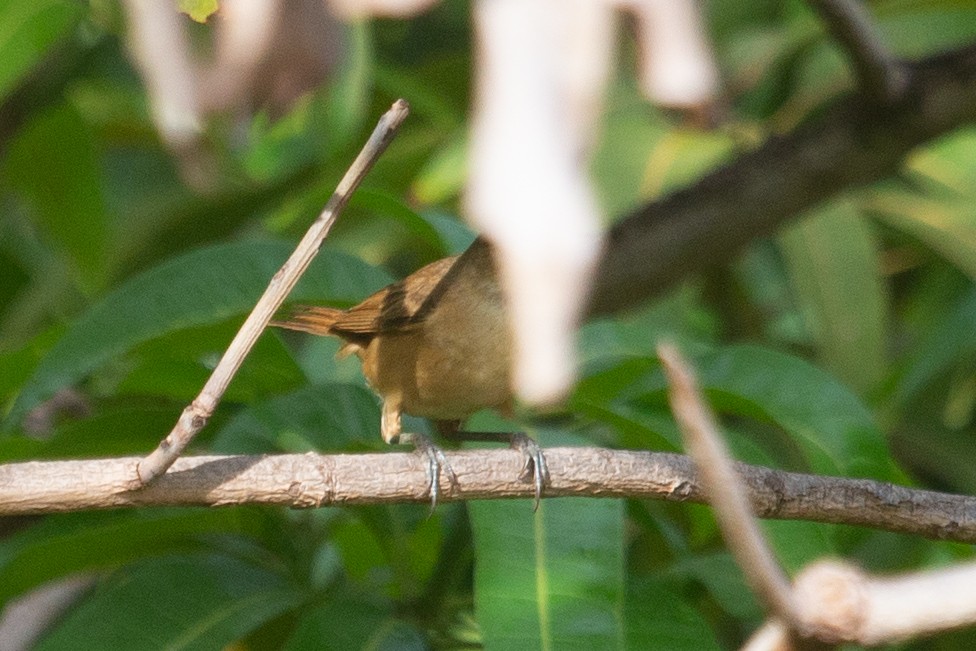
436	461
534	465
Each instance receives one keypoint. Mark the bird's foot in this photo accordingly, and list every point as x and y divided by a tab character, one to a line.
436	461
534	465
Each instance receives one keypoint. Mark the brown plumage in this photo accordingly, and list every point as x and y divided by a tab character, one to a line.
435	344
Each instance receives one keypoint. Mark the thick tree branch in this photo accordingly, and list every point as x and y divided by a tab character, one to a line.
310	480
854	142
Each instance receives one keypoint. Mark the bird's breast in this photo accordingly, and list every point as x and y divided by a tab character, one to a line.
453	364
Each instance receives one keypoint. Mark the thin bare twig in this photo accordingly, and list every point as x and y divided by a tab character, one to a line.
849	22
302	480
724	489
196	415
830	601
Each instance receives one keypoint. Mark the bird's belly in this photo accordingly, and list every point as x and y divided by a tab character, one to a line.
434	378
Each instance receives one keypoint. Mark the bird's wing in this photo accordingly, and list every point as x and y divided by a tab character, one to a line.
396	308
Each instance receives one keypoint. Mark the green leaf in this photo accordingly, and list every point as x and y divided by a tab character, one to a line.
660	618
946	224
377	203
947	162
205	286
181	602
177	364
54	165
65	544
198	10
832	426
348	106
833	264
917	29
552	580
949	341
834	430
16	365
28	30
723	579
108	432
455	235
336	416
442	176
350	623
321	125
797	543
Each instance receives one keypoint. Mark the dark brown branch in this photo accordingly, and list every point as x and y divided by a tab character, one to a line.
850	144
879	73
311	480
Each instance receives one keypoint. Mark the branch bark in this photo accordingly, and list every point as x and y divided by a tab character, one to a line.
313	480
852	143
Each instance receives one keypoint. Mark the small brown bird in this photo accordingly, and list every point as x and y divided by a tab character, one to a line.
435	344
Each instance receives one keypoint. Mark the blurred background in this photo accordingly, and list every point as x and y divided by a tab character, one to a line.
844	345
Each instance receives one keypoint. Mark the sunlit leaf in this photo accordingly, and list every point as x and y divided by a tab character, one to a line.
834	267
946	225
198	10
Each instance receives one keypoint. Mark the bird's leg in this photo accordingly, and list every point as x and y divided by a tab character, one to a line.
534	464
391	429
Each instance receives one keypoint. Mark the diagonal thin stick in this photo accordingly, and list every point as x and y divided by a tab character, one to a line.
197	413
877	69
724	488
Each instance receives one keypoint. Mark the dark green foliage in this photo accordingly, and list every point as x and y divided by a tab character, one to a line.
844	345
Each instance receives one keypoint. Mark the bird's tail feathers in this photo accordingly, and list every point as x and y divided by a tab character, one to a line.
313	319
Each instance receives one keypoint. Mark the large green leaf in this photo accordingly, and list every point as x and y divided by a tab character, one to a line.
833	427
549	581
946	224
117	431
947	162
197	288
28	30
723	579
659	618
834	267
834	430
348	623
65	544
313	418
203	602
177	364
54	165
552	580
949	341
